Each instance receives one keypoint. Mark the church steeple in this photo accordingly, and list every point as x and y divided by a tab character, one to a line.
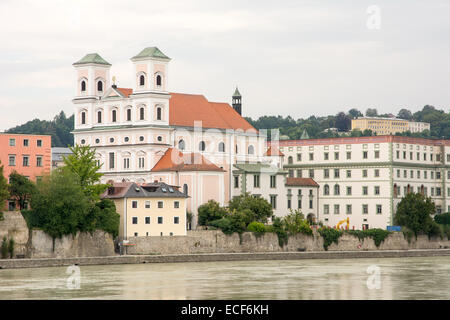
237	101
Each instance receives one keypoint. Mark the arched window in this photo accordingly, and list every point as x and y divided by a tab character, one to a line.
99	117
128	114
83	117
251	149
141	113
326	190
336	190
158	80
181	144
290	160
99	86
202	146
395	190
185	189
142	80
158	113
114	116
83	86
221	147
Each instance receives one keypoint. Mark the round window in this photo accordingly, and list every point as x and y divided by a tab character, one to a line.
111	140
141	138
83	141
126	139
159	138
97	140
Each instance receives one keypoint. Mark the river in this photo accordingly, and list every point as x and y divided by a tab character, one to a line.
389	278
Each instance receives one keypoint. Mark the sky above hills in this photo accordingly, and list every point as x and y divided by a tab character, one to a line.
295	58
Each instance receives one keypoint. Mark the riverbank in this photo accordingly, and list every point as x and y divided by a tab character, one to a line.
214	257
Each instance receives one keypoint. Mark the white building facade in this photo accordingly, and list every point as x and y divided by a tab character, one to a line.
364	178
132	128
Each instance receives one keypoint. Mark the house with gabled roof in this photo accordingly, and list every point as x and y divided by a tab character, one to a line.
149	210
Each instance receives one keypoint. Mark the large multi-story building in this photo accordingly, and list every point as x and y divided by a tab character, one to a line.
365	178
28	155
385	126
148	133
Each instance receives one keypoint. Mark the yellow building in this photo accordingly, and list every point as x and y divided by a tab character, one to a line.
381	126
386	126
154	209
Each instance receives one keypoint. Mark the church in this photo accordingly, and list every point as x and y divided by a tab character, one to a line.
145	133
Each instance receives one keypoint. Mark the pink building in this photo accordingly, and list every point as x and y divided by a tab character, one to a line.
29	155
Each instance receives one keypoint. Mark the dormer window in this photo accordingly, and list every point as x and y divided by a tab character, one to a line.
181	144
158	80
83	86
142	80
202	146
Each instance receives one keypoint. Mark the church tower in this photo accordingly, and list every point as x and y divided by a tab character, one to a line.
237	101
151	71
92	76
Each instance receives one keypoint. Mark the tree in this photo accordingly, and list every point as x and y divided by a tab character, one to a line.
59	204
405	114
414	212
343	122
4	192
260	207
355	113
20	188
59	128
371	112
102	216
210	211
82	164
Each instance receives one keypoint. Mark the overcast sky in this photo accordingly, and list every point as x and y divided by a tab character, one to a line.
297	58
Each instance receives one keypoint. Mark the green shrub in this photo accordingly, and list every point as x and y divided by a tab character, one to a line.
279	229
210	211
257	227
443	218
378	235
296	223
329	235
4	248
11	248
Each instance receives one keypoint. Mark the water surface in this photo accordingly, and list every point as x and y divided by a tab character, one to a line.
400	278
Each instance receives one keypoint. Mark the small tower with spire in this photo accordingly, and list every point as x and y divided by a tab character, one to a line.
237	101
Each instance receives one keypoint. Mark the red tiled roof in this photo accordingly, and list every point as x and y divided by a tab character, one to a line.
187	108
273	151
174	160
301	182
125	91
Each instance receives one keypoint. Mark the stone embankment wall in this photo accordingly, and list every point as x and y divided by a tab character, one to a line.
217	242
38	244
13	226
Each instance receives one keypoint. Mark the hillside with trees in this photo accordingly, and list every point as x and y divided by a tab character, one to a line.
316	126
59	128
